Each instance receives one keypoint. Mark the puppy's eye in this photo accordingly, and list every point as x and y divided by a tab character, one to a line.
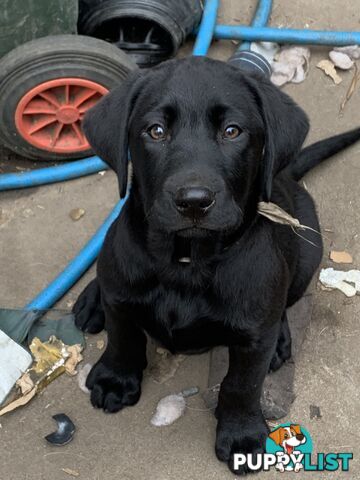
157	132
231	132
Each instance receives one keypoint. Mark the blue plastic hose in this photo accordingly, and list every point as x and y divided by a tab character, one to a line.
59	173
206	29
284	35
260	19
76	268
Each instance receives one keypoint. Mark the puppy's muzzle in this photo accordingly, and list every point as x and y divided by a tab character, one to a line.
194	202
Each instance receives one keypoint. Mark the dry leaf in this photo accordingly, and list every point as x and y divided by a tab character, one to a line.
70	472
76	214
100	344
19	402
276	214
340	257
165	365
25	383
329	68
74	359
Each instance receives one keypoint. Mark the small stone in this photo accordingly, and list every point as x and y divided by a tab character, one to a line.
315	412
76	214
341	60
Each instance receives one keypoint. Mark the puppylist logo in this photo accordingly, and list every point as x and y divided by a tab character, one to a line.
288	449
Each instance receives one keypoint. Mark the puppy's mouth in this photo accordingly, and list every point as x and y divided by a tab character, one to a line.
289	449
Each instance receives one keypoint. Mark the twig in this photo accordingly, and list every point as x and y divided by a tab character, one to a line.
351	89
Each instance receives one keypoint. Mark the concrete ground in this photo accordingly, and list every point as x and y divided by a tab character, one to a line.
38	238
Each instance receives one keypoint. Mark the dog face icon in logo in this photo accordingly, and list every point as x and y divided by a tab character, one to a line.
289	440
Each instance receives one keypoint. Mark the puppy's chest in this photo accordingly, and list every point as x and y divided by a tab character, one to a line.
192	322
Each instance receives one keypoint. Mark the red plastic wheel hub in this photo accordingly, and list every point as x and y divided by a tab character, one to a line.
49	115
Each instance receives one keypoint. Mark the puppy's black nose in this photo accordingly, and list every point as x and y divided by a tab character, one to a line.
194	201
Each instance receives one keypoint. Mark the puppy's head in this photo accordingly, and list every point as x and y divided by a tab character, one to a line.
203	139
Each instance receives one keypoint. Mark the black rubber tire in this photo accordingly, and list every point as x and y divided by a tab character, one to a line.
173	20
49	58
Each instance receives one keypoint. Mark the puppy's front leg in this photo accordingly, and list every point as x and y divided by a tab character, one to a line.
115	380
241	426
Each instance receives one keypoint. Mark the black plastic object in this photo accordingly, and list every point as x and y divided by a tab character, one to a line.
149	30
64	433
24	325
251	62
25	20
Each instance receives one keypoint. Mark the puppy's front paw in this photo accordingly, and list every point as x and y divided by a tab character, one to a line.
89	315
233	436
113	391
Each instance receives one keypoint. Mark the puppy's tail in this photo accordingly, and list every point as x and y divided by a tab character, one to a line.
314	154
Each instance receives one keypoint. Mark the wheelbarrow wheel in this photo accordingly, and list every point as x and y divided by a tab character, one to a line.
47	85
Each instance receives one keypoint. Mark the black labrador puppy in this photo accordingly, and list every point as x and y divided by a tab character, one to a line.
189	260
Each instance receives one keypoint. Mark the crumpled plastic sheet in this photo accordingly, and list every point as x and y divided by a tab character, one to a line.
291	64
24	325
347	282
353	51
169	409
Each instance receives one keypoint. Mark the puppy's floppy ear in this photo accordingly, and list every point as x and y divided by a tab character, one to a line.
106	126
286	126
276	436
